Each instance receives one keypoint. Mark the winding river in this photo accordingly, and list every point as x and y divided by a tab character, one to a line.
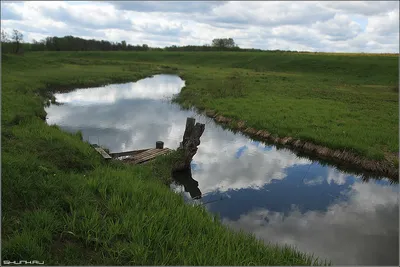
274	194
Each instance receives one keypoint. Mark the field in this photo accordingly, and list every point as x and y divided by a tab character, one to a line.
63	205
340	101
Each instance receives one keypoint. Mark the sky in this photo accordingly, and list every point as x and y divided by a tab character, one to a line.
336	26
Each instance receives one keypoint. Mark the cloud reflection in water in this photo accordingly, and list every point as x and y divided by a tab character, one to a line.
272	193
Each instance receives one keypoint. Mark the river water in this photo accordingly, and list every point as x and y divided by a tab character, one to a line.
274	194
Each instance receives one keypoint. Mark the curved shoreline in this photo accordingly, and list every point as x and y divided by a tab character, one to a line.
341	158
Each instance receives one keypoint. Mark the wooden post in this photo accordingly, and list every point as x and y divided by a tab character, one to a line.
188	130
160	144
188	146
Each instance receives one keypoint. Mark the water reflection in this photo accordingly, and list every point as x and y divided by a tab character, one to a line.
155	88
361	230
273	193
190	185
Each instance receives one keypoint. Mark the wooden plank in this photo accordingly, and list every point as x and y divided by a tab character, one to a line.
102	152
149	156
146	154
143	154
155	154
128	153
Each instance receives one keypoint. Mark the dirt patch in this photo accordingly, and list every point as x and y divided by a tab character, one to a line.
343	158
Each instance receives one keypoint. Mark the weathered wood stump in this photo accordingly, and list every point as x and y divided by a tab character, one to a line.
188	146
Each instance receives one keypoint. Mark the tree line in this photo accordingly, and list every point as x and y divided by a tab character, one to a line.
13	43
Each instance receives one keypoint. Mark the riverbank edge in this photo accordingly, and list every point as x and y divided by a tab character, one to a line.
47	94
342	159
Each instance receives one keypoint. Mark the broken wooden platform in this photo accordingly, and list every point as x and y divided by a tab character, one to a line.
146	155
135	156
102	152
127	153
189	144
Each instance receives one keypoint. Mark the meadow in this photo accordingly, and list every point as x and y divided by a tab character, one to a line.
341	101
62	204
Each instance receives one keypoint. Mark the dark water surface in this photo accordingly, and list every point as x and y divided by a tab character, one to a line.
272	193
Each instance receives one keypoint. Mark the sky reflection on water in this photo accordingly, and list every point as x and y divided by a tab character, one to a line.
272	193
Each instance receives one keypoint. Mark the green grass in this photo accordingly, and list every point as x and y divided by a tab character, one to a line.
62	204
340	101
348	106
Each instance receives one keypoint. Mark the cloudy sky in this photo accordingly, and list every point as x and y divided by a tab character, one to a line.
359	26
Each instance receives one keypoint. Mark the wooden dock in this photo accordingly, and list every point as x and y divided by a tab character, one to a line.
135	156
190	141
127	153
147	155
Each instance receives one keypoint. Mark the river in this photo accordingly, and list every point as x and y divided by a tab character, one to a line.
270	192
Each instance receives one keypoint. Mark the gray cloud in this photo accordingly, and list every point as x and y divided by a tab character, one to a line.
334	28
167	6
314	26
270	13
170	31
8	13
362	231
366	8
28	29
71	18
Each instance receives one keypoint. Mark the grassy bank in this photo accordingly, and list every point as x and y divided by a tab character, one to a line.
63	205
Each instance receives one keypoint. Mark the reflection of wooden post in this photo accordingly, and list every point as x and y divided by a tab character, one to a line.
184	177
190	141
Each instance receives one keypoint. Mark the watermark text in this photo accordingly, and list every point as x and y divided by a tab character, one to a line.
6	262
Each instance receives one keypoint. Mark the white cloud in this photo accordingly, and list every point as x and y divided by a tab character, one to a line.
361	231
253	169
336	177
383	25
339	28
315	181
358	26
155	88
271	13
366	8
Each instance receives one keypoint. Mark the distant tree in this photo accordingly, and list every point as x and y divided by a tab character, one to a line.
17	38
223	43
6	45
145	47
4	37
123	44
38	45
230	43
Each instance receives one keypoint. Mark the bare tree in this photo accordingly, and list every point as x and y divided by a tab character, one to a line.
4	37
17	38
